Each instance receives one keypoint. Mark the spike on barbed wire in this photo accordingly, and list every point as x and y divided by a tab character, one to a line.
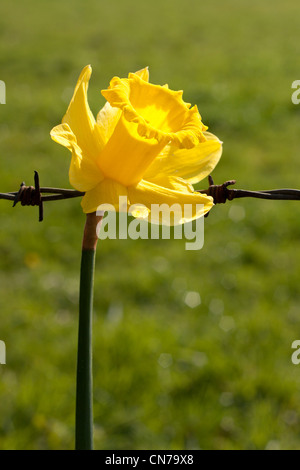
221	193
32	196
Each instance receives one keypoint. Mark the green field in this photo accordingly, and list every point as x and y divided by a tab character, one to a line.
166	375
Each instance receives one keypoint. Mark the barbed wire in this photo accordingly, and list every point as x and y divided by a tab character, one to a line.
221	193
37	195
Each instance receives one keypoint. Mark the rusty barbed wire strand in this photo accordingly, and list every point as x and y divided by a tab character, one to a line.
221	193
32	195
36	195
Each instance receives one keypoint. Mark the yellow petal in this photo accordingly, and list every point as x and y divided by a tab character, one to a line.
127	155
172	182
143	74
190	164
107	120
104	195
81	120
185	206
84	174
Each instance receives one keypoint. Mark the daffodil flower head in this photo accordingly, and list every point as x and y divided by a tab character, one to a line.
146	144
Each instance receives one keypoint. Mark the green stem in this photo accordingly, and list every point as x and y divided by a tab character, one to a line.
84	385
84	397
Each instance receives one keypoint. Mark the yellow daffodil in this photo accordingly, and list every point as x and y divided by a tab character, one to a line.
146	144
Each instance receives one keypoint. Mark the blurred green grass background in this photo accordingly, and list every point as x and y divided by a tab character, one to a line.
192	349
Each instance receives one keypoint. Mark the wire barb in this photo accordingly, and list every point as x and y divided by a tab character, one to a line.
221	193
32	196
